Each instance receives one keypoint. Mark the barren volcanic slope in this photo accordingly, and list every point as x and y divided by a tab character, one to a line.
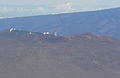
26	54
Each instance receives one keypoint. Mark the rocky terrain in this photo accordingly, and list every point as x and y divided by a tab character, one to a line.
25	54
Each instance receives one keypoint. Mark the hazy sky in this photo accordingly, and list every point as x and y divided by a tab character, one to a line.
15	8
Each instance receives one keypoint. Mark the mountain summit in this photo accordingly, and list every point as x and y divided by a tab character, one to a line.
13	33
32	36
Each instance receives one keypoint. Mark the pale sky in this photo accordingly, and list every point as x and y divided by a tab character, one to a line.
18	8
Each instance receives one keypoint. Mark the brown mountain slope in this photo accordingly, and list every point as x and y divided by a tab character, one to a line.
36	55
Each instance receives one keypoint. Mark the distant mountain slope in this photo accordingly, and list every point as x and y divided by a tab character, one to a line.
85	55
105	22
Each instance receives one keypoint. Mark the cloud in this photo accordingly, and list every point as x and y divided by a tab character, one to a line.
66	7
18	9
6	9
2	17
30	10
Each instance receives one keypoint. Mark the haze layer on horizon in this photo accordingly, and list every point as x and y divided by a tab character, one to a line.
18	8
